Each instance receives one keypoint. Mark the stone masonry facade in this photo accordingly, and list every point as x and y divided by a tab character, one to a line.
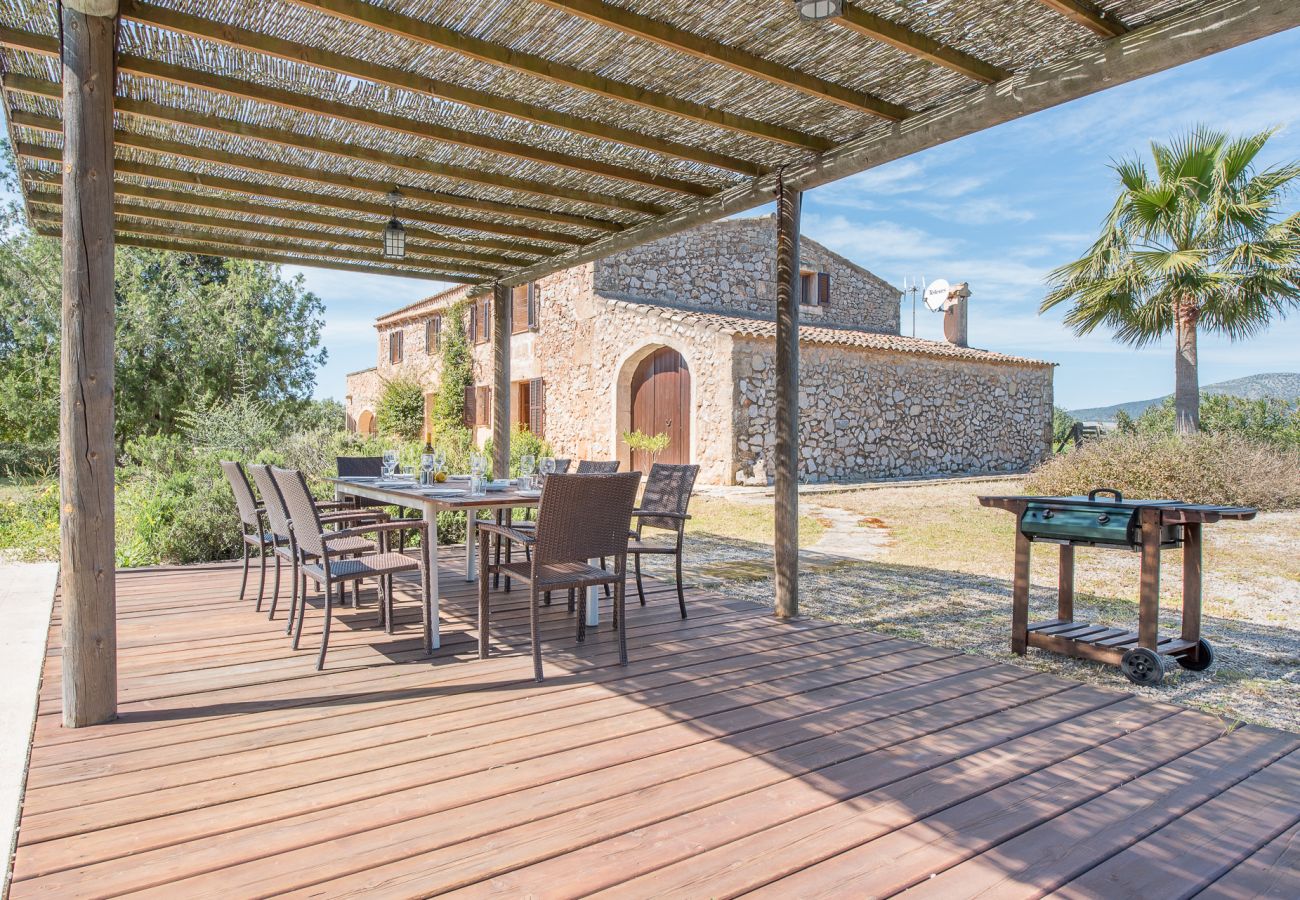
873	404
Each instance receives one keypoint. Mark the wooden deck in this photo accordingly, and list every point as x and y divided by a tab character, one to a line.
736	754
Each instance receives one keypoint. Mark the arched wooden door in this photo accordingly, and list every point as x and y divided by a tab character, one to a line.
661	403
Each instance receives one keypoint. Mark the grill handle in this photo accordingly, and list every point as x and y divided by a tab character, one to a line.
1092	494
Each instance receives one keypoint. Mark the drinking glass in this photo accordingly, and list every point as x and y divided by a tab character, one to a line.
547	466
439	460
477	483
426	468
390	463
527	463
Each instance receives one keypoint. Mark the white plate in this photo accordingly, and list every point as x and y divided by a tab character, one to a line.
442	492
530	494
499	485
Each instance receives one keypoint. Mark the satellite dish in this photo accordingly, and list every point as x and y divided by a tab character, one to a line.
936	295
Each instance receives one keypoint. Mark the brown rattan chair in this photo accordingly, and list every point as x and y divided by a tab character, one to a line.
321	558
597	467
578	518
663	507
282	542
252	526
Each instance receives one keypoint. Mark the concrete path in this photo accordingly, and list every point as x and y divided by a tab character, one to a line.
26	595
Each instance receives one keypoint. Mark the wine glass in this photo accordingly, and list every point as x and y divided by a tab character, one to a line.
390	463
527	462
426	466
547	466
439	460
477	465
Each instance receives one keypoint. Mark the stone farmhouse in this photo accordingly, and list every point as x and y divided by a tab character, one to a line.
677	336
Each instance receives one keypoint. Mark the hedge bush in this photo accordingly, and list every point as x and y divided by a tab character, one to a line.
1205	468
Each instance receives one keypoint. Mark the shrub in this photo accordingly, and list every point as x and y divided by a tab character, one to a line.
522	442
29	523
399	412
1269	420
1062	422
29	459
457	375
1205	468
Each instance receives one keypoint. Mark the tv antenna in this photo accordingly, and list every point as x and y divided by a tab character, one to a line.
913	287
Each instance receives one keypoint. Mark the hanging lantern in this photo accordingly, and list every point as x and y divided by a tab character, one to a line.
819	9
394	233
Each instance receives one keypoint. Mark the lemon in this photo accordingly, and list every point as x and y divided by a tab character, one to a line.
440	477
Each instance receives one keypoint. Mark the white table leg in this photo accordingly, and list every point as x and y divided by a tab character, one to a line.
431	517
593	601
471	544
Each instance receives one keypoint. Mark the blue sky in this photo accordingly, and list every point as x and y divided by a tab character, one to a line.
998	209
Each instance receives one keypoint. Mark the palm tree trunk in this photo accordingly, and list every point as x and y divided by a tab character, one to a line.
1187	389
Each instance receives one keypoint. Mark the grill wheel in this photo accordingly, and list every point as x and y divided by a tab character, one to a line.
1199	661
1142	666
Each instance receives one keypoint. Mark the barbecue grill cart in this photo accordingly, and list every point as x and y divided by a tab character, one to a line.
1105	519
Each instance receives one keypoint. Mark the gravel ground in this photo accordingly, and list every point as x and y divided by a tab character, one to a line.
943	576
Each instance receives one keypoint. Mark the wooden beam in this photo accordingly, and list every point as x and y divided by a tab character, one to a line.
373	118
87	447
174	246
254	41
172	115
1090	16
1208	28
361	115
266	166
500	381
625	21
786	393
433	258
44	189
185	232
902	38
260	190
468	46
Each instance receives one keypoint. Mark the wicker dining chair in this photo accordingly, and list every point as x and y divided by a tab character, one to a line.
370	467
597	467
321	559
252	527
663	507
282	541
578	518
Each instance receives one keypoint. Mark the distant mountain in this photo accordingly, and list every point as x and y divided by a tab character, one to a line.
1282	385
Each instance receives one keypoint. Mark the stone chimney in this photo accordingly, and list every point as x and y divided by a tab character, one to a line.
954	317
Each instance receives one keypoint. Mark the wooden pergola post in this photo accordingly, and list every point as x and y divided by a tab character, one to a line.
500	381
86	446
787	402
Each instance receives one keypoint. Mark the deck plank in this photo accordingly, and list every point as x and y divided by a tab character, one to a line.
736	753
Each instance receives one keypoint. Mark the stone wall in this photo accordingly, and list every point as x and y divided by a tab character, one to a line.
874	414
587	348
362	396
730	266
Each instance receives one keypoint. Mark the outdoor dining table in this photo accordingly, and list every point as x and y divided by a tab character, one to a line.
450	496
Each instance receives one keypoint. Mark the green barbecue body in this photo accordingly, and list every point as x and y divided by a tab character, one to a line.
1088	524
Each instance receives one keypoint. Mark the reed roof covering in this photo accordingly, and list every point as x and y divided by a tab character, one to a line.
526	136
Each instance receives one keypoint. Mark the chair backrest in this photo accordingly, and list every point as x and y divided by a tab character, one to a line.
245	502
277	514
363	466
562	466
667	489
597	467
302	511
582	517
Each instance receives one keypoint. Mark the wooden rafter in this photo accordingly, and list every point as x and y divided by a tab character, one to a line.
332	109
171	115
361	115
679	40
260	190
199	235
267	166
1089	15
902	38
244	39
471	47
371	245
48	184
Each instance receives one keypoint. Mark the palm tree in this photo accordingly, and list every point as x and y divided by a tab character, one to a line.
1201	245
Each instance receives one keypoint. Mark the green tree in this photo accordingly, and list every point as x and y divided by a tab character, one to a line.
1199	243
400	408
457	373
189	328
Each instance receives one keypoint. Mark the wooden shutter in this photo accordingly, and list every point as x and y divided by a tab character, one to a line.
437	333
485	322
823	288
395	347
532	307
520	306
536	407
469	410
472	333
484	413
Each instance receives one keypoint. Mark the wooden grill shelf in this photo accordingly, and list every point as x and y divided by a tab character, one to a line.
1140	654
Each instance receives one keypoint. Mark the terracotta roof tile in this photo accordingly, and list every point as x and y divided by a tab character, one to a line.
745	326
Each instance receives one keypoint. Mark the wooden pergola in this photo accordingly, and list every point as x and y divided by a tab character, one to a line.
523	136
